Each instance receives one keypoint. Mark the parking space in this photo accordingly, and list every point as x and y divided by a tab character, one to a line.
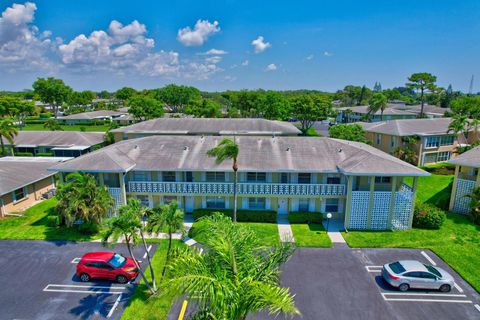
38	282
344	283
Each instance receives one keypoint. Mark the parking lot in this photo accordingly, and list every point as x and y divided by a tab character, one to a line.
344	283
38	282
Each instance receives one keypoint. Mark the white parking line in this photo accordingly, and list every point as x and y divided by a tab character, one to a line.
429	300
114	306
374	268
428	258
423	294
148	250
83	289
75	260
458	287
423	297
477	307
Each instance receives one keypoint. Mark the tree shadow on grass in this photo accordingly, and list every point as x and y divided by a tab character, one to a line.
441	199
316	227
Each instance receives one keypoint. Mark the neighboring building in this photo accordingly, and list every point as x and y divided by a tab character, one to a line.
56	143
434	142
206	126
356	182
24	181
467	178
393	111
90	117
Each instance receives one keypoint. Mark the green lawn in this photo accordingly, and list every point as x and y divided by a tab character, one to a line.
39	127
142	305
33	225
310	235
267	233
434	189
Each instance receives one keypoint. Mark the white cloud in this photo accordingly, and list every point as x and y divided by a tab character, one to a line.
213	52
310	57
202	30
327	54
159	64
22	45
271	67
230	78
245	63
213	59
260	45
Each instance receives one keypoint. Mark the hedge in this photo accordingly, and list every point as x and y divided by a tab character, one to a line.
44	154
242	215
305	217
24	154
427	216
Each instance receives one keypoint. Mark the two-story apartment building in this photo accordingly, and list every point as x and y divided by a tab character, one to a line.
432	140
92	116
359	184
467	178
56	143
207	127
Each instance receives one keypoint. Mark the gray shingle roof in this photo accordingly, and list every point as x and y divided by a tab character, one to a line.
211	126
92	115
402	109
471	158
17	172
409	127
57	138
286	154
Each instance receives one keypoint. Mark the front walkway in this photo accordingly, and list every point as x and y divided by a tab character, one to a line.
334	228
284	229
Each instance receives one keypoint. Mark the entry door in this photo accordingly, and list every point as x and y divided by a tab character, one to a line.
189	203
282	206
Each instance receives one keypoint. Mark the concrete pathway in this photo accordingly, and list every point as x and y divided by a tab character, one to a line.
334	228
284	229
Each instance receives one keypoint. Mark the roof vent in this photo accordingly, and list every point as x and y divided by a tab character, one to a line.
136	147
185	148
339	150
288	149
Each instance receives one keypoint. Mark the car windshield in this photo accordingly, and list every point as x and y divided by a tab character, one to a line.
397	267
433	270
117	260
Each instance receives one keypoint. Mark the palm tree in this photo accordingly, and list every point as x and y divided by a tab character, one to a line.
459	125
82	199
474	205
234	277
228	149
170	217
126	225
52	125
8	131
378	102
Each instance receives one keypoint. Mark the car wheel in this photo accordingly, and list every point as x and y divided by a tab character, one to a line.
403	287
84	277
445	288
122	279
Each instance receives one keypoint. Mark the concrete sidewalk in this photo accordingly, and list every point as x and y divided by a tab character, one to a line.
334	228
284	229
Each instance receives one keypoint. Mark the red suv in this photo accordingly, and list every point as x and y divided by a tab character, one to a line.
106	265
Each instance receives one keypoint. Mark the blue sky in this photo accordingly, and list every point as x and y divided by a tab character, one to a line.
321	45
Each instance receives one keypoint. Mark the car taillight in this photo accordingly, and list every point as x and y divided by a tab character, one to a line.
391	276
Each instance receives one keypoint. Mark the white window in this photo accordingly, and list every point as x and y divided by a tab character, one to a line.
257	203
432	142
19	194
215	202
215	176
446	140
256	177
331	205
303	205
443	156
393	140
378	138
304	178
168	176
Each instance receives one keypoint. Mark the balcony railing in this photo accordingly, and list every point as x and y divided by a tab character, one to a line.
220	188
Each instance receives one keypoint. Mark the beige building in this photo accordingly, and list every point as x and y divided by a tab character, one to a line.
357	183
24	181
467	178
207	127
430	139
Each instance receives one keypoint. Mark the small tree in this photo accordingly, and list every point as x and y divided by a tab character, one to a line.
228	149
167	217
145	108
422	82
177	97
126	225
82	199
52	125
125	93
460	125
308	109
377	103
52	91
351	132
8	131
474	205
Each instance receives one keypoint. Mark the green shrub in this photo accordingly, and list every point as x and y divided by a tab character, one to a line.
242	215
24	154
83	129
305	217
88	228
45	115
44	154
427	216
53	221
34	121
